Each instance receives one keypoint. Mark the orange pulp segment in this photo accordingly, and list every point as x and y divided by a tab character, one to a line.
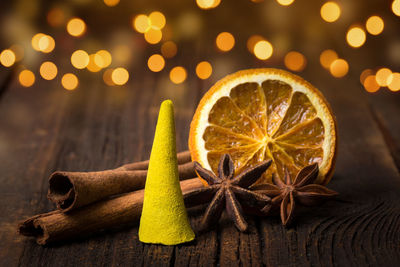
261	114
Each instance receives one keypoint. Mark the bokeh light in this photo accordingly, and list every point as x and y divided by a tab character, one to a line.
396	7
285	2
295	61
394	84
374	25
251	42
157	20
207	4
153	36
153	25
327	57
76	27
365	74
107	77
103	58
383	76
141	23
339	68
46	44
92	65
178	75
225	41
330	11
35	40
156	63
169	49
26	78
370	84
111	2
216	3
48	70
7	58
263	50
80	59
69	81
55	17
204	70
120	76
356	37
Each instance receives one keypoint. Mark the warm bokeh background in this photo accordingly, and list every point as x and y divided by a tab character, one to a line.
113	40
118	59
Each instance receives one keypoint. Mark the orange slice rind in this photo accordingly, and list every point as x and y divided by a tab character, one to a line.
260	114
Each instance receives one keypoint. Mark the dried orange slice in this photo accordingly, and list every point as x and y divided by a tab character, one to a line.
260	114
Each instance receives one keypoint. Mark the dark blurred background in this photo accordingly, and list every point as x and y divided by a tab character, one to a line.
113	40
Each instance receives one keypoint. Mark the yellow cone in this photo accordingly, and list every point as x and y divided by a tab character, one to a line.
164	219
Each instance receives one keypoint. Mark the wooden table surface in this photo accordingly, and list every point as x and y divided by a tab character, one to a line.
45	128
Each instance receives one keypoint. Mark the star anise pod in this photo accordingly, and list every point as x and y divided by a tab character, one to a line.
229	192
302	190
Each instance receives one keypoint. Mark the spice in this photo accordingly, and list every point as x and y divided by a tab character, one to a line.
105	214
71	190
302	190
226	191
183	157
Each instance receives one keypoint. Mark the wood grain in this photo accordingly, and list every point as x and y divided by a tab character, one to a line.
385	109
361	227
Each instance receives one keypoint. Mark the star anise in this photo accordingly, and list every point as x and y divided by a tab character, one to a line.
302	190
229	192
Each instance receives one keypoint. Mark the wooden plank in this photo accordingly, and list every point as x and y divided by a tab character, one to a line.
28	128
339	232
203	251
97	128
6	76
345	232
250	245
236	248
385	108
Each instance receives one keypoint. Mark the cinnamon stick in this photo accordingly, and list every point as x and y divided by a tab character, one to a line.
105	214
71	190
183	157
